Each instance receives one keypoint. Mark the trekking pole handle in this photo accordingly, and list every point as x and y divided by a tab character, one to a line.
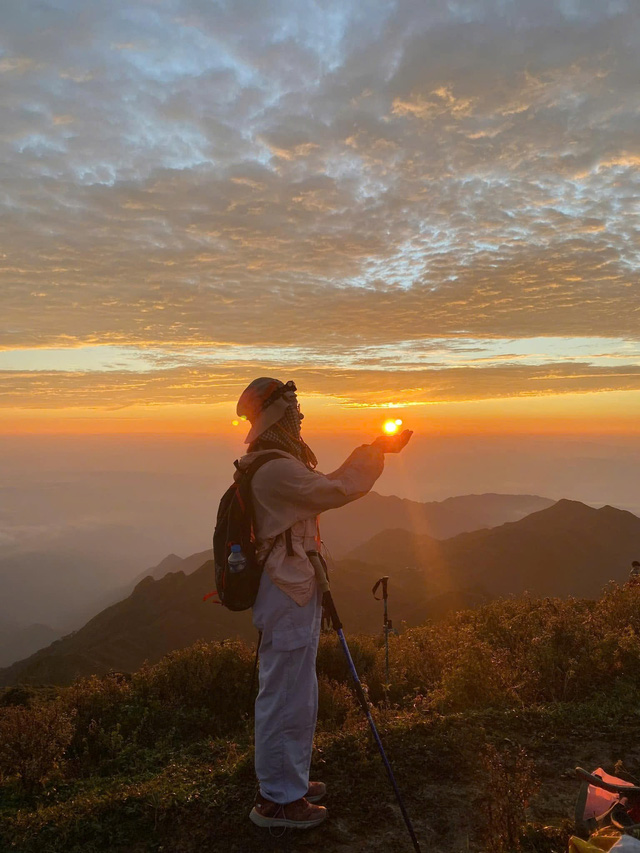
384	581
318	566
320	569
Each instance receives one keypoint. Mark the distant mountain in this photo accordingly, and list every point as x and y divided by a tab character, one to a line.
71	537
44	587
355	523
72	571
346	528
166	614
566	549
158	616
173	563
19	642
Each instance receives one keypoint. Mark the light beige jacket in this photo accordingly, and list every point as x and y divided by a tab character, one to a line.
287	495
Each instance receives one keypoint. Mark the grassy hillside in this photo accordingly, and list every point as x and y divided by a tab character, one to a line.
488	712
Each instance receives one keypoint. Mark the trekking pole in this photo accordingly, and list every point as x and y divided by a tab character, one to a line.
386	628
319	566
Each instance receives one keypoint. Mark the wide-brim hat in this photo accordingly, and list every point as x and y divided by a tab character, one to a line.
264	402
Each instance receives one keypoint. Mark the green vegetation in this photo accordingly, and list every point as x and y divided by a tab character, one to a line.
489	710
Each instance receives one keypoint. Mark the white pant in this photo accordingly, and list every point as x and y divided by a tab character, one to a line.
287	703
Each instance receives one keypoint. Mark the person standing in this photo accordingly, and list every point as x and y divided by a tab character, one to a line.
288	495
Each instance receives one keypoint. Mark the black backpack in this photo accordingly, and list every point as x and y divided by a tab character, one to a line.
235	525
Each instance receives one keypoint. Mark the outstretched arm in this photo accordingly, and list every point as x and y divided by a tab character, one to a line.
290	492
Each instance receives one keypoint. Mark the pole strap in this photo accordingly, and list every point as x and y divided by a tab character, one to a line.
384	581
289	540
320	568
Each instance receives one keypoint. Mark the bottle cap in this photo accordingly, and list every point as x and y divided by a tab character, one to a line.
236	548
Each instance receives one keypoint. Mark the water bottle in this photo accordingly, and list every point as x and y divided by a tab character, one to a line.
236	559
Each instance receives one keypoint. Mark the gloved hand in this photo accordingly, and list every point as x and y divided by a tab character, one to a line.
393	443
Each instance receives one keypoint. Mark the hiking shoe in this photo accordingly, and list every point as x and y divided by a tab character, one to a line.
317	791
300	814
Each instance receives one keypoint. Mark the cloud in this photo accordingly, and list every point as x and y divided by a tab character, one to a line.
286	174
346	385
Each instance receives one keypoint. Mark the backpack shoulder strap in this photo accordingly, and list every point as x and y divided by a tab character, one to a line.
251	469
246	480
244	483
289	542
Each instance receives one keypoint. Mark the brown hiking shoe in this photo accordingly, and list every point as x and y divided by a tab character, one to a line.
316	792
301	814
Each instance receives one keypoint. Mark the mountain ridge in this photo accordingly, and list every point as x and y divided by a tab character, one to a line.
566	549
569	533
356	522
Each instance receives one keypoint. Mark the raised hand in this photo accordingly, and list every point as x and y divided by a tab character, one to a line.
393	443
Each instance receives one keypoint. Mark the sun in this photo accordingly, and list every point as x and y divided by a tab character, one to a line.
391	427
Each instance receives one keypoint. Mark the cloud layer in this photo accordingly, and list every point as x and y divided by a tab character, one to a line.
327	177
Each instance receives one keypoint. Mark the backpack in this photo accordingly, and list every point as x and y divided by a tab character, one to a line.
235	525
608	801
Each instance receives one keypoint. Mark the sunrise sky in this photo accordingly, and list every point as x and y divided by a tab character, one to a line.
417	210
430	205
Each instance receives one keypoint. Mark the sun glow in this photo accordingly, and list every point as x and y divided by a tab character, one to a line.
392	427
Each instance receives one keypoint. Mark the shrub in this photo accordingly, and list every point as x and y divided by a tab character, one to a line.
475	678
102	707
332	662
336	704
201	690
417	661
523	651
510	653
33	741
507	782
198	691
21	694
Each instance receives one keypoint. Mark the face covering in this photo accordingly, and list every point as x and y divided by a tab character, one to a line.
285	435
